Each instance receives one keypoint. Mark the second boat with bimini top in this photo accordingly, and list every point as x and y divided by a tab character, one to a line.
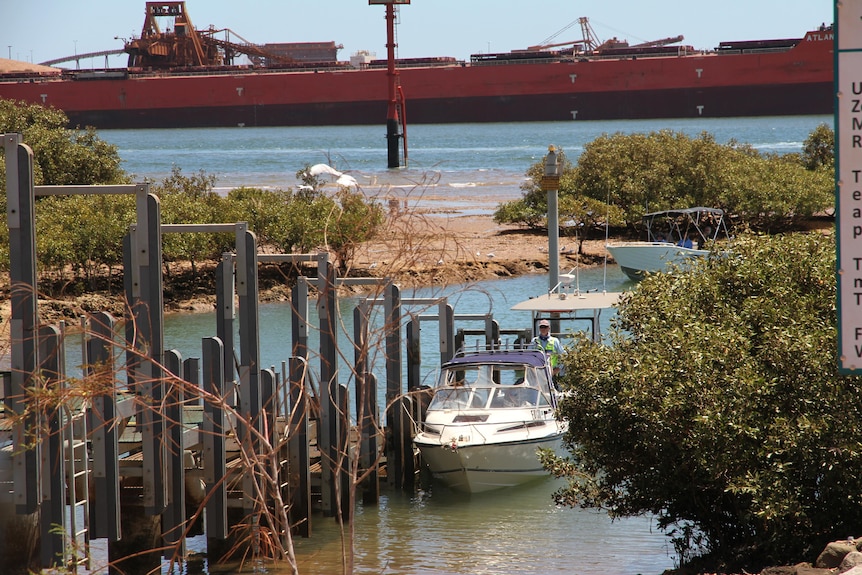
673	238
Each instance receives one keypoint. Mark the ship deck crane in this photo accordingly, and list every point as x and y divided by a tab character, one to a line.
588	40
249	49
662	42
591	42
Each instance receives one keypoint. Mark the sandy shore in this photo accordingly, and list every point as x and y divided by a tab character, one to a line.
441	249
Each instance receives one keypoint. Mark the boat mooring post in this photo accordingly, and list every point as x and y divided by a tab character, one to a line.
174	516
330	414
24	320
393	133
551	185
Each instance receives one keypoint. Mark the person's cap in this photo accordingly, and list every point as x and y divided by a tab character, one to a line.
544	323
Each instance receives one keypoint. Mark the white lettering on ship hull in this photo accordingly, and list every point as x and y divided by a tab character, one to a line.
820	37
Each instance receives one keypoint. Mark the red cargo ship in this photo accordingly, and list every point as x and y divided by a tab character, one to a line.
183	78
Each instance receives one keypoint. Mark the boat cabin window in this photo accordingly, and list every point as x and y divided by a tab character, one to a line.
452	398
487	376
483	386
517	396
458	398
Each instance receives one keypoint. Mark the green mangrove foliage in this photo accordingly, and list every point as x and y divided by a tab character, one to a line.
717	406
306	219
642	173
60	157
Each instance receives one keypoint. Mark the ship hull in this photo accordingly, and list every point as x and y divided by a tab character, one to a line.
722	103
792	82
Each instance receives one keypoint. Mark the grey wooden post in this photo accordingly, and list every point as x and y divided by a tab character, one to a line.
447	332
249	422
174	515
495	334
153	445
330	418
414	353
392	317
369	447
147	308
192	374
269	403
53	456
299	464
21	219
401	472
131	286
299	391
225	315
213	439
366	406
299	317
394	450
105	507
342	475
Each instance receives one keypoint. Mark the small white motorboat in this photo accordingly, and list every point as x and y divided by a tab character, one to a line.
490	413
673	237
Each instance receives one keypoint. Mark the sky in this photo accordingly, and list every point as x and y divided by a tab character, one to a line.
40	30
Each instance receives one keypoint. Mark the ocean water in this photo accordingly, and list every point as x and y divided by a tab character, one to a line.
462	169
468	168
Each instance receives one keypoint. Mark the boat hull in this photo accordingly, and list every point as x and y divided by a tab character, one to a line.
636	259
486	467
789	82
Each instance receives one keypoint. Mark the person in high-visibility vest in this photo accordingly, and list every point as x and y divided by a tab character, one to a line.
550	345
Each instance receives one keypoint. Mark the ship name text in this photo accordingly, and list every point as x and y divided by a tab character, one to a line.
820	37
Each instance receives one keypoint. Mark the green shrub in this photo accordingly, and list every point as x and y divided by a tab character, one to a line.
718	407
642	173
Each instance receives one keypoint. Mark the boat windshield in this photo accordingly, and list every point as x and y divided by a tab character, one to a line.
488	398
491	386
484	375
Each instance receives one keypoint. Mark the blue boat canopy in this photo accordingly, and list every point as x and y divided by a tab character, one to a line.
531	357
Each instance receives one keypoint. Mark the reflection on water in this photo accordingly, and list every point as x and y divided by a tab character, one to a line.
517	530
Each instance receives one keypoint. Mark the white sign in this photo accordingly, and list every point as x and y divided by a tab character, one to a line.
848	181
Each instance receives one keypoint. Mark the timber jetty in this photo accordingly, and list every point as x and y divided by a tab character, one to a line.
146	448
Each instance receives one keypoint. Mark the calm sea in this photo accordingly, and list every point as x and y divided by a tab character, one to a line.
466	169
